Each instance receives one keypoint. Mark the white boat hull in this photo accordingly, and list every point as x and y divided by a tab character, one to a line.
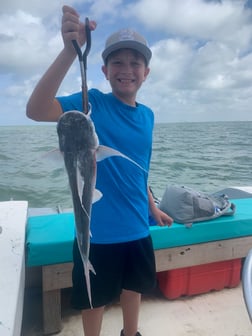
13	216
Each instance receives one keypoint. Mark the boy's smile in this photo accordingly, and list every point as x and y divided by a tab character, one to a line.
126	70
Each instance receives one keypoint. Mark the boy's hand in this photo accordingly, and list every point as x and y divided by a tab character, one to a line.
73	29
162	218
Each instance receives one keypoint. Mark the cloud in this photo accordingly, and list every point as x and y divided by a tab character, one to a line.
202	56
109	9
39	8
201	69
197	18
26	44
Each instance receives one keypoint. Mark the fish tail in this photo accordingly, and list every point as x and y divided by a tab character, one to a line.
87	268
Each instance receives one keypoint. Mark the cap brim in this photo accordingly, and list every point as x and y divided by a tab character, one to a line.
128	44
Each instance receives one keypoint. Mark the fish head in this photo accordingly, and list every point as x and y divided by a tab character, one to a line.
76	132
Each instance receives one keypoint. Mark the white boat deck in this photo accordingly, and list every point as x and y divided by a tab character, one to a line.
219	313
13	216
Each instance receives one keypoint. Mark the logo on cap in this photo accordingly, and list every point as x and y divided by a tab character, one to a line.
126	34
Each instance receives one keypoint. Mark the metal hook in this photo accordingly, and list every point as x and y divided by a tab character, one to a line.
83	65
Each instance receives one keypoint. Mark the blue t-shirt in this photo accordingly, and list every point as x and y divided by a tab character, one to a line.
121	214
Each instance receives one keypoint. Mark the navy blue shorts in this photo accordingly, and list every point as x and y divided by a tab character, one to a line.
129	265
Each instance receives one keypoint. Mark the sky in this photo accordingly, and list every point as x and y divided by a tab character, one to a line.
201	68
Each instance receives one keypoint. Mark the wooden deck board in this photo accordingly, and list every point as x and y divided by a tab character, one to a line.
57	277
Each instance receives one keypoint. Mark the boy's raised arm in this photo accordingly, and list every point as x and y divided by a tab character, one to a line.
42	105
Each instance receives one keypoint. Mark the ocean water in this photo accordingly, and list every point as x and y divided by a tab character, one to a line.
205	156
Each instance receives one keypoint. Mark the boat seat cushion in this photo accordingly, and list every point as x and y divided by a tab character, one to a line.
49	238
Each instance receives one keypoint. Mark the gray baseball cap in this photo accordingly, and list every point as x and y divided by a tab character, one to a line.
129	39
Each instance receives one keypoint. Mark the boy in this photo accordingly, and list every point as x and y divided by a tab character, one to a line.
121	250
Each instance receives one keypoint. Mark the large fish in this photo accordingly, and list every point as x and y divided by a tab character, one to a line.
79	143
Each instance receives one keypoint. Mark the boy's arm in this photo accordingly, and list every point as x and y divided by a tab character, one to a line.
161	217
42	105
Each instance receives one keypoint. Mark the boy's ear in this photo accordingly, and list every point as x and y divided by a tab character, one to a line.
146	73
105	71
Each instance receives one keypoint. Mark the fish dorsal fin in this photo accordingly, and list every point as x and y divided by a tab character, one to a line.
104	152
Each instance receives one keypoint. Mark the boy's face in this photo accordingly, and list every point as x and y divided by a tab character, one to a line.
126	70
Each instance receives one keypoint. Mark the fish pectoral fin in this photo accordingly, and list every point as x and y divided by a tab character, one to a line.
104	152
97	195
80	183
55	157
